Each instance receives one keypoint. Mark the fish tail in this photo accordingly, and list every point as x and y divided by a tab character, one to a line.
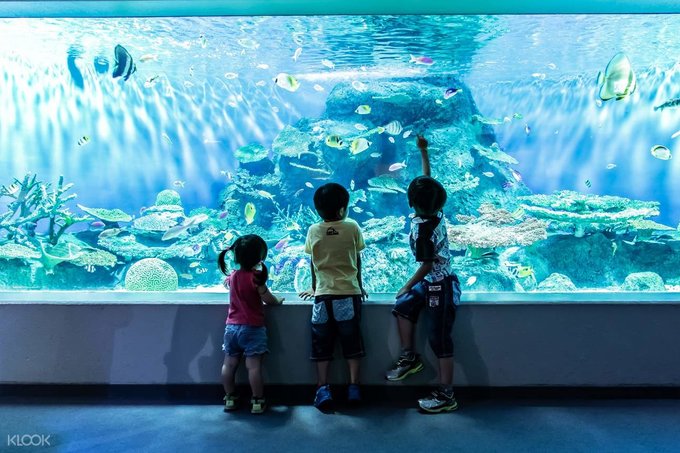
658	107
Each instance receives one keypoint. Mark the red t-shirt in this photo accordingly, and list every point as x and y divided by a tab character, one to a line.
245	303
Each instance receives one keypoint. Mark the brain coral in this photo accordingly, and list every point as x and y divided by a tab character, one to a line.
168	196
151	274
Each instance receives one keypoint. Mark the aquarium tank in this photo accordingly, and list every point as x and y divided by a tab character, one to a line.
134	150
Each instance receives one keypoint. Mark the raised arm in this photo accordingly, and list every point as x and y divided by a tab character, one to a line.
425	158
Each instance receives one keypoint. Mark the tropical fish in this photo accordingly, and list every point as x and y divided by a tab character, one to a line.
124	66
84	140
523	271
97	224
661	152
552	66
507	185
527	129
471	281
187	276
363	109
191	71
359	145
309	184
451	92
394	128
203	40
148	57
397	166
351	185
263	66
282	244
618	80
249	213
260	83
588	183
407	134
538	75
488	174
111	232
151	81
297	53
194	264
357	209
391	139
381	190
177	230
610	166
370	214
515	174
375	155
385	182
265	194
517	116
359	86
178	183
672	103
328	63
222	214
318	87
201	270
230	75
90	268
334	141
421	60
287	82
438	102
248	43
297	37
360	127
518	213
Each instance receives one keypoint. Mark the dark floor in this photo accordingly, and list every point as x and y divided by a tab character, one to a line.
480	425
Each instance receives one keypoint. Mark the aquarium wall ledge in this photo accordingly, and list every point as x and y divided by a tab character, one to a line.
221	298
140	8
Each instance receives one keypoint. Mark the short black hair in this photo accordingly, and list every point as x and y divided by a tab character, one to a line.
329	199
426	195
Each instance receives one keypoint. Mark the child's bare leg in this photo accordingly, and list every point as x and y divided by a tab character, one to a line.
254	365
446	371
229	368
353	370
406	329
322	372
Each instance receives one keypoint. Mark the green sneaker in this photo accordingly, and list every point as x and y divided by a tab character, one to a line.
230	402
257	405
438	401
404	367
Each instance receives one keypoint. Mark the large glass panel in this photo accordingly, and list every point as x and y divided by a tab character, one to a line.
133	150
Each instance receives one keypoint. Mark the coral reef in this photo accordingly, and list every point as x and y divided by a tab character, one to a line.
107	215
493	228
151	274
643	281
579	213
168	197
386	228
555	282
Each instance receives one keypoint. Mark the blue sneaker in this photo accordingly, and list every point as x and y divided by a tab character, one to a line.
354	395
323	399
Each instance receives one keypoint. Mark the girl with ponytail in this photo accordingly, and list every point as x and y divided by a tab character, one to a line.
245	333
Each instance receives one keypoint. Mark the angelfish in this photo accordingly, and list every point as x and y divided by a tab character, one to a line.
124	64
618	80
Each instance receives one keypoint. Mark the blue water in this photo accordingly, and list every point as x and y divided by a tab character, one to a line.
214	92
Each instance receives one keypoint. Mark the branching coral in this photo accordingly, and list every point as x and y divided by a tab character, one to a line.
33	201
494	228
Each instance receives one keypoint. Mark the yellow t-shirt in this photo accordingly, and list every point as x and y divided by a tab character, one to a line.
334	247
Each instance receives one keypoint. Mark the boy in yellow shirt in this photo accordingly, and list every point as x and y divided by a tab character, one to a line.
334	245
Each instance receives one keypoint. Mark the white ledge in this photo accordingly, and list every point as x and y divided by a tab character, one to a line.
212	297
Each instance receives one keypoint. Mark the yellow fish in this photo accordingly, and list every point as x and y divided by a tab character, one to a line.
249	213
359	145
334	141
287	82
363	109
524	271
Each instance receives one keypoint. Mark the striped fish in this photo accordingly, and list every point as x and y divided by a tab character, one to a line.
125	65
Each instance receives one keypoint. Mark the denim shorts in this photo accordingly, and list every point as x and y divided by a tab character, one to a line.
336	316
439	300
244	340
